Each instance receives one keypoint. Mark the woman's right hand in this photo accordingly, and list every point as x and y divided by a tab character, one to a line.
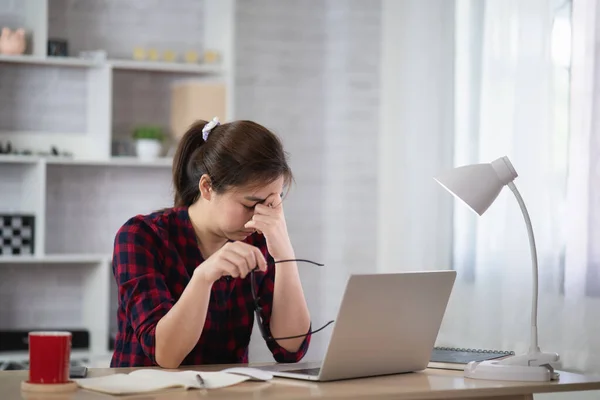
235	259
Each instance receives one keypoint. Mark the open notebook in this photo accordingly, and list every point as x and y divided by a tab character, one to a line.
154	380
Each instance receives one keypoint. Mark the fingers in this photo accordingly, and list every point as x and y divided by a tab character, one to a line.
240	265
245	254
261	218
259	222
254	257
271	205
259	227
252	224
274	200
228	268
262	209
241	258
261	263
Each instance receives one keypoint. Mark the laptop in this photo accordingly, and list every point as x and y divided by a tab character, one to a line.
386	324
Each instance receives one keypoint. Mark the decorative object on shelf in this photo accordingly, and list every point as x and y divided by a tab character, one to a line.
139	53
12	42
169	56
153	55
95	55
16	234
148	142
122	147
56	153
58	48
191	57
6	150
10	150
211	56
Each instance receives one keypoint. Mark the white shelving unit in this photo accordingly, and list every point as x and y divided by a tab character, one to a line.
80	201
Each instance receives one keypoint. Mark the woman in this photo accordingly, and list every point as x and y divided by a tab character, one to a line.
184	273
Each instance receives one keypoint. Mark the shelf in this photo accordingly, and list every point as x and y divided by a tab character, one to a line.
163	66
40	143
18	159
113	162
135	162
52	61
155	66
163	162
56	259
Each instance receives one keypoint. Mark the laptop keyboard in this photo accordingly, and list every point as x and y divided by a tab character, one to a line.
306	371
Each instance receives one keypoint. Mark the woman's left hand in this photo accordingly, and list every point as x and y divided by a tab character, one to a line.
269	219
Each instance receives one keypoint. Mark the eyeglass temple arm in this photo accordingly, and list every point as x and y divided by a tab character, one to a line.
299	260
310	332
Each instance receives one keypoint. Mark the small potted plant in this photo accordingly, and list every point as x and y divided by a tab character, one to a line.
148	142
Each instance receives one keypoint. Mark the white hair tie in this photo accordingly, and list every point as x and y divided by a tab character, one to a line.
209	127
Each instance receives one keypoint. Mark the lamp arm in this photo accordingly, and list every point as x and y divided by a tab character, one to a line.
533	345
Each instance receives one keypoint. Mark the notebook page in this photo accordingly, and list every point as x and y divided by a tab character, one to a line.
187	379
153	380
120	384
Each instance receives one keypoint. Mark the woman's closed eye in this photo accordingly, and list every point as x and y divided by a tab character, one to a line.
250	207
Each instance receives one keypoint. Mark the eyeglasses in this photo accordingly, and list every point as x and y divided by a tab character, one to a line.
258	308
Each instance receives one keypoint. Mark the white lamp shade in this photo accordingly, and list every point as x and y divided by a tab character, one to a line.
478	185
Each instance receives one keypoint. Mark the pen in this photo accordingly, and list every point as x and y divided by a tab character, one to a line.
201	381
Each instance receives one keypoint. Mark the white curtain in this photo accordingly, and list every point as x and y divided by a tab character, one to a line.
518	95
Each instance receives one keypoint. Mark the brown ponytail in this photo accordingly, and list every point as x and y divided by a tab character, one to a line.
234	155
191	142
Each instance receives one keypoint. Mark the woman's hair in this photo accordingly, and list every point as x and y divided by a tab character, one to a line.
235	154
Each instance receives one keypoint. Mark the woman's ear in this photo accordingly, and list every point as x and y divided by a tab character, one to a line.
205	187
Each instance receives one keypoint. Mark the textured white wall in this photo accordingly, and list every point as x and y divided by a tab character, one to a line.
35	296
86	205
119	26
42	99
11	13
312	75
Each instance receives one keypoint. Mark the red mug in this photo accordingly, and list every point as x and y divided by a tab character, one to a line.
49	357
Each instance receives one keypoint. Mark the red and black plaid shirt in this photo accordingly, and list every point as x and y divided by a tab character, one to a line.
153	261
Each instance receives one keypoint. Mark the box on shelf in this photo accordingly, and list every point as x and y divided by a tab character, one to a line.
17	233
192	100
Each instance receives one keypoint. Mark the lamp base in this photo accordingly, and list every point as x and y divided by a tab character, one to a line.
531	367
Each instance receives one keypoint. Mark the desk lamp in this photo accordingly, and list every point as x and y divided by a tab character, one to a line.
477	186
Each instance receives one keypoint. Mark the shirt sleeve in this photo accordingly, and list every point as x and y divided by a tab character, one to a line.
265	292
141	283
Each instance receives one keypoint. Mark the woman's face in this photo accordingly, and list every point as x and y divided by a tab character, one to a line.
232	209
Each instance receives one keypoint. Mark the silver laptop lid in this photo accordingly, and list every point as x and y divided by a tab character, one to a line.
387	323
